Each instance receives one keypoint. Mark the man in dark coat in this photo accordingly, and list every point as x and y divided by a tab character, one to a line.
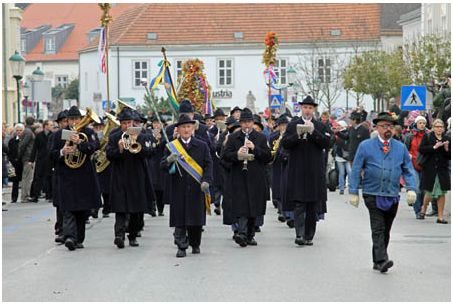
78	188
358	132
188	207
305	139
278	158
40	155
130	180
248	152
62	120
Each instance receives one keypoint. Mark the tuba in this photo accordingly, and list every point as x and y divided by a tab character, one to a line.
100	156
276	146
121	105
76	159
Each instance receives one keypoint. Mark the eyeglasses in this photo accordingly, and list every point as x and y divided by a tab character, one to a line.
386	126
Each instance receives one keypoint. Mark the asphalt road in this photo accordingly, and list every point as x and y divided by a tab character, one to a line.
337	268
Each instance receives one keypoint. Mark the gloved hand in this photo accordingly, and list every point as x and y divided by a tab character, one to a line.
411	197
354	200
299	129
310	127
204	187
172	158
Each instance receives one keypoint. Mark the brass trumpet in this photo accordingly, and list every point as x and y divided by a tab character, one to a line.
100	156
130	141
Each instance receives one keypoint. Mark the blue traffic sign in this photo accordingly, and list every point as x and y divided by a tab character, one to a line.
276	101
104	105
413	98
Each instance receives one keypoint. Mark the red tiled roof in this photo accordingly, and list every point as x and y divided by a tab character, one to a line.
85	17
203	23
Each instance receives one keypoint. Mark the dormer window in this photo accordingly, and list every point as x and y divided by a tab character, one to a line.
23	46
50	45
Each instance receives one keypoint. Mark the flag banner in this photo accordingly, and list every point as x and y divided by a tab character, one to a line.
102	49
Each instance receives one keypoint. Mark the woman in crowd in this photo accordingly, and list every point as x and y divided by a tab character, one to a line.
435	181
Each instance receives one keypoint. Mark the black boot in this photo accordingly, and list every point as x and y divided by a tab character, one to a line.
181	253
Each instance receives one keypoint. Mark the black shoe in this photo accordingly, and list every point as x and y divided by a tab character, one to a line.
240	240
252	242
441	221
341	192
308	243
299	241
87	222
375	266
14	201
79	246
70	244
290	223
420	216
33	199
281	218
195	250
432	213
161	214
235	233
257	229
95	215
119	242
139	234
181	253
153	213
59	239
217	210
384	266
133	243
105	215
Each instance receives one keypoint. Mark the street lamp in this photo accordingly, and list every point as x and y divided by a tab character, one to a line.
26	88
17	68
291	72
37	75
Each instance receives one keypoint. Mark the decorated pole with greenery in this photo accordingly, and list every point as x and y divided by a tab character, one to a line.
269	59
194	86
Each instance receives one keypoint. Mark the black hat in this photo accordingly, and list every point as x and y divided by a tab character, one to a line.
385	116
62	115
282	119
184	119
218	112
126	114
308	101
355	116
74	112
230	120
233	126
207	116
140	117
236	108
186	107
198	116
100	123
246	114
156	118
257	121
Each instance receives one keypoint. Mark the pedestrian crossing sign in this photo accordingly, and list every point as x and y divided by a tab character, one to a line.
276	101
413	98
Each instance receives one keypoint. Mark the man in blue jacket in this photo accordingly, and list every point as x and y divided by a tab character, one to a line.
383	161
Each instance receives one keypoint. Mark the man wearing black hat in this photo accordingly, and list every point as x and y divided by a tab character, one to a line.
236	112
305	139
278	159
131	184
225	170
248	153
189	160
383	161
357	133
62	120
78	188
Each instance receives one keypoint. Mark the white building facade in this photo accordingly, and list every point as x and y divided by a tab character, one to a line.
232	71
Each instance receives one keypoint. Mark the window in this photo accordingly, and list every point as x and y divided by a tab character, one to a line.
61	80
280	70
178	71
50	45
225	72
140	70
324	70
23	46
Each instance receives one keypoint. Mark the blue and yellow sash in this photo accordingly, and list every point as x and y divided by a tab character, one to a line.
190	166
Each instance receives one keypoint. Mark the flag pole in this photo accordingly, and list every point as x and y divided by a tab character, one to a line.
105	20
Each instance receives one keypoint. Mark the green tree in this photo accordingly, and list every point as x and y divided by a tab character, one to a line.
72	91
428	59
147	108
377	73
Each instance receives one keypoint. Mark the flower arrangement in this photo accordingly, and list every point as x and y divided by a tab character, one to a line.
195	86
270	50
